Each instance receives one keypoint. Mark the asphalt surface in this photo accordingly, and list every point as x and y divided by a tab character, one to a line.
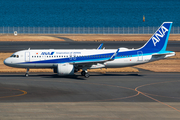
16	46
126	96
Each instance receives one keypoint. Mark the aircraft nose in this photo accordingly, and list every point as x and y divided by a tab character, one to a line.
7	62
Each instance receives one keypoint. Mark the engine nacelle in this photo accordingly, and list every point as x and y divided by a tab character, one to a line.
65	69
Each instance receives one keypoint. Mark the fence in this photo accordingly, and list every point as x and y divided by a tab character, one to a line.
83	30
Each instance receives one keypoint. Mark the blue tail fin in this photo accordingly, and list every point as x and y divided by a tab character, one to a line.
158	42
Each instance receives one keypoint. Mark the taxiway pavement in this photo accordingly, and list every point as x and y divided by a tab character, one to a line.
127	96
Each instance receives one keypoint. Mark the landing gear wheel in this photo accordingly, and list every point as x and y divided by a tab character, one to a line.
83	73
86	75
26	75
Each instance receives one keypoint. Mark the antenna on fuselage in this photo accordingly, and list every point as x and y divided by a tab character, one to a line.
29	49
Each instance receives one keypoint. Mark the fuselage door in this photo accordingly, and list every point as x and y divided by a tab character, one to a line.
27	56
70	56
140	55
74	56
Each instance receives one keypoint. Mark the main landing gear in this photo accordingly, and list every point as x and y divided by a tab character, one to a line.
27	73
85	73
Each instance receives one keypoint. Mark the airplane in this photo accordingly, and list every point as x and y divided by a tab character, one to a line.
67	62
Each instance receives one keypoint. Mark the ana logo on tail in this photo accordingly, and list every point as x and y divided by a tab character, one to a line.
156	36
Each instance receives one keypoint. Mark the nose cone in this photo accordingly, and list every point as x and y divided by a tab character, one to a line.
7	62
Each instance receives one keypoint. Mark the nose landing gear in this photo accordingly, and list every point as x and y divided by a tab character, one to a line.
27	73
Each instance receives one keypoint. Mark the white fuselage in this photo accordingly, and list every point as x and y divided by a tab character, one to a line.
51	58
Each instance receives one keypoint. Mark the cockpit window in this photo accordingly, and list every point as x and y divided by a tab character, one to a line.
15	56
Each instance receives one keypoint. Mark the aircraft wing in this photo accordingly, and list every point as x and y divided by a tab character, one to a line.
96	60
100	46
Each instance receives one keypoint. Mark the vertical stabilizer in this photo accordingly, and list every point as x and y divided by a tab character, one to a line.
158	42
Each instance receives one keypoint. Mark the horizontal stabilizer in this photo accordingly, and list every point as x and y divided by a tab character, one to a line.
156	54
169	54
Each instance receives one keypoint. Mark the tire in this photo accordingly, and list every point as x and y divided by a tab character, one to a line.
26	75
83	73
86	75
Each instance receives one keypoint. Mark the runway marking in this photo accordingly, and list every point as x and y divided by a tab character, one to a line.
162	96
114	86
23	93
102	85
138	92
145	94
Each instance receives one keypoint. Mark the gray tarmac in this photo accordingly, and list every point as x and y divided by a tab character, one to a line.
125	96
16	46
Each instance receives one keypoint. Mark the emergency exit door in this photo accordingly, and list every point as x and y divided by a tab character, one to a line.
140	55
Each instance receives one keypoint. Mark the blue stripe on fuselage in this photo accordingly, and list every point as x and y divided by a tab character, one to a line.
91	59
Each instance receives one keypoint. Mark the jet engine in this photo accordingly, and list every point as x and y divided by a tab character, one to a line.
65	69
